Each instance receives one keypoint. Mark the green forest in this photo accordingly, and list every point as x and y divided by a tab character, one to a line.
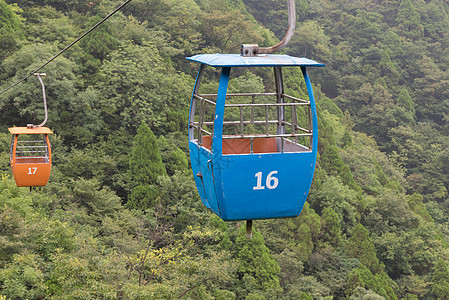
121	217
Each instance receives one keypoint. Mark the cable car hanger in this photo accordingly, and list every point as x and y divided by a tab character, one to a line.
38	75
254	49
265	169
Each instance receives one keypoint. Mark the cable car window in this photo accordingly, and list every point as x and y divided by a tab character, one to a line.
203	122
32	149
256	121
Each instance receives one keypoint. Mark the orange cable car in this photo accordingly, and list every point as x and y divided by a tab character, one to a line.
30	152
30	155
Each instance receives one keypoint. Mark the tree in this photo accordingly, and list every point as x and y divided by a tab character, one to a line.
10	30
440	278
331	161
361	246
346	141
47	25
388	69
183	24
361	277
96	46
63	5
145	162
145	165
23	278
136	84
331	267
173	158
308	287
224	31
290	267
413	287
254	259
274	18
310	40
363	294
331	226
375	111
344	201
409	20
405	109
8	19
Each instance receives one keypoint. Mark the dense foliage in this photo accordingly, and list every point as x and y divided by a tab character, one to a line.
121	218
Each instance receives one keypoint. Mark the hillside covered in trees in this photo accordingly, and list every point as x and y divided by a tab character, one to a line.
121	218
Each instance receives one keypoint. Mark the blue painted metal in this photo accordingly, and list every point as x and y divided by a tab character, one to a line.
235	181
227	183
194	148
263	60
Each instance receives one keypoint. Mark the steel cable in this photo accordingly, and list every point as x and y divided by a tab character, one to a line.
66	48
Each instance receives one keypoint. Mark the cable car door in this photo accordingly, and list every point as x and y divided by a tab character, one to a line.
211	159
201	156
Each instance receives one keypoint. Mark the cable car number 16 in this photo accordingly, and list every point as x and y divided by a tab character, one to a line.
271	181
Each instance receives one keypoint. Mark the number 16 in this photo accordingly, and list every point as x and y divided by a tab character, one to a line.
271	182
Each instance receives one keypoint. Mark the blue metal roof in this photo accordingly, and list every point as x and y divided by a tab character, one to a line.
263	60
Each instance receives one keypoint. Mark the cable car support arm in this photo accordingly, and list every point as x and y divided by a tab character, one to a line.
254	49
45	101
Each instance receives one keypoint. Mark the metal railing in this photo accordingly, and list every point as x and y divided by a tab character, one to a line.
267	116
32	152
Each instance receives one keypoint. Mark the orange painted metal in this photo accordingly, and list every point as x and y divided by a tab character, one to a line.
243	146
26	130
29	170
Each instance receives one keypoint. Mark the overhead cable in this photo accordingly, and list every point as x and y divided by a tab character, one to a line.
66	48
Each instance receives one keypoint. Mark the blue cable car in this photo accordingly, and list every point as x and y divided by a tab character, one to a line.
252	154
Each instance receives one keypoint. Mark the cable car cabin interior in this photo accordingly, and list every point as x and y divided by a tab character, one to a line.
30	155
252	126
253	154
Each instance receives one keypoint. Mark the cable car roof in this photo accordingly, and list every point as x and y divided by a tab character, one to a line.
26	130
262	60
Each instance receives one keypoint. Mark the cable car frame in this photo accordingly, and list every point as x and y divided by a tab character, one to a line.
266	173
30	155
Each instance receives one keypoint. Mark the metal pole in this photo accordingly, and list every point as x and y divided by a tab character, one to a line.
249	229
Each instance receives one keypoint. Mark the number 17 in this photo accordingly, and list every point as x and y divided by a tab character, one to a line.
32	170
